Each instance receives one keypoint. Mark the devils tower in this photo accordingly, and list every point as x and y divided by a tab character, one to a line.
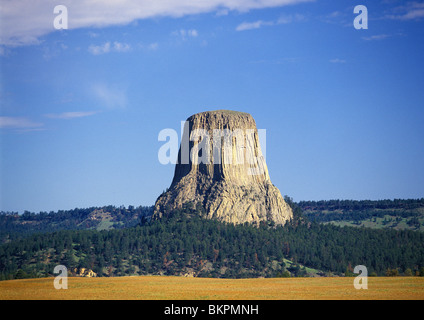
221	169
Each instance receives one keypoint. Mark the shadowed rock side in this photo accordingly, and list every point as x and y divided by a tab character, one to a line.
221	170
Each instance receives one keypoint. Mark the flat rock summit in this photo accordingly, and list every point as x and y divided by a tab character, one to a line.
221	169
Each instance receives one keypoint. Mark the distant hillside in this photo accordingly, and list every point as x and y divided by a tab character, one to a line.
395	214
13	225
186	244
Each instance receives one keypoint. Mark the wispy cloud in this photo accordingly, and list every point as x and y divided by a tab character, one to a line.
185	34
376	37
291	18
342	17
24	22
70	115
410	11
96	50
109	47
260	23
276	61
152	46
20	123
112	97
334	14
121	47
53	50
337	60
253	25
93	34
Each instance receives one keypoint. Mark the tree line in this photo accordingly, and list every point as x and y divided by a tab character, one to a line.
14	225
411	211
337	204
186	243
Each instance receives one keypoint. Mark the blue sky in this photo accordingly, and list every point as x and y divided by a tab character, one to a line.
81	109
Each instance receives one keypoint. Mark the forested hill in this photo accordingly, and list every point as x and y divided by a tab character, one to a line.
405	204
387	214
396	214
14	225
185	243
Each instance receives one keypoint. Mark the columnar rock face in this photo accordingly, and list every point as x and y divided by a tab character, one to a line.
221	169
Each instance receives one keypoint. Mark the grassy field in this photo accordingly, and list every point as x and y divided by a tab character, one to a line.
180	288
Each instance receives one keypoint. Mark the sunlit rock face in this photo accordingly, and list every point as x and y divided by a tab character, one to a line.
221	170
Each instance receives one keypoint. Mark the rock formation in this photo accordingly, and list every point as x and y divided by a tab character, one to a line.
221	169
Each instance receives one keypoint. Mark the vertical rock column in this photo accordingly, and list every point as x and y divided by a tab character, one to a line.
220	166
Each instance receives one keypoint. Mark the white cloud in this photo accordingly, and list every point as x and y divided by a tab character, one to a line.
376	37
192	33
276	61
334	14
343	17
252	25
23	22
337	60
70	115
411	11
150	46
222	12
108	47
121	47
153	46
52	50
19	123
291	18
185	34
111	97
260	23
93	34
96	50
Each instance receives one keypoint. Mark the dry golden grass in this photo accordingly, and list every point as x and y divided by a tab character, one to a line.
179	288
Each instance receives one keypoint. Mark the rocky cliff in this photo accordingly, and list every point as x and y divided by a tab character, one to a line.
221	169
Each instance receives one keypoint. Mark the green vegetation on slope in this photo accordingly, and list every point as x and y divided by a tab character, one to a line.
187	244
14	226
381	214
